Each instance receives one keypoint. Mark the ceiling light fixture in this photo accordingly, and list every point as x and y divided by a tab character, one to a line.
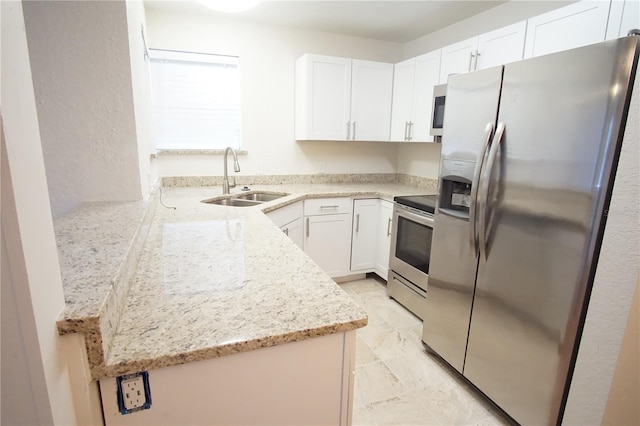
229	6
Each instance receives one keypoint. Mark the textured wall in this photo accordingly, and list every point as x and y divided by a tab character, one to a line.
141	90
80	62
35	382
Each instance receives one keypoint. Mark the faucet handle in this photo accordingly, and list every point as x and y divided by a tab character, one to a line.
233	185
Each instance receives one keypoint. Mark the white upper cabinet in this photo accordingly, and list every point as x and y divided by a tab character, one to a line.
496	47
371	92
402	109
458	58
623	16
342	99
413	82
576	25
501	46
323	97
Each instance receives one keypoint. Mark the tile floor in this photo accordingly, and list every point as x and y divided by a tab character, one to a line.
397	382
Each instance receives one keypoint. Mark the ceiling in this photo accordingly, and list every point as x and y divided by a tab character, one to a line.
396	20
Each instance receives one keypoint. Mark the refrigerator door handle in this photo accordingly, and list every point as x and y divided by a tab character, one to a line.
484	188
482	157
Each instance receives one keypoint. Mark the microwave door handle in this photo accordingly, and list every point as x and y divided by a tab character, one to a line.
475	183
484	187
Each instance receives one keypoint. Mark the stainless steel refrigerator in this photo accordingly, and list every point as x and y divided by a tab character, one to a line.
529	154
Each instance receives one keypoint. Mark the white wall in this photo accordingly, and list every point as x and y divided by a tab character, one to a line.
81	68
141	87
267	64
35	380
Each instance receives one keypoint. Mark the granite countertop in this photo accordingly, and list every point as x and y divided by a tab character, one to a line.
215	280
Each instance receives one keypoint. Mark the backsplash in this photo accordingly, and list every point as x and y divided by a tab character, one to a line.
183	181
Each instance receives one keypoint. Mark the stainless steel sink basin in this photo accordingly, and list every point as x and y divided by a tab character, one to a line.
235	202
245	200
260	196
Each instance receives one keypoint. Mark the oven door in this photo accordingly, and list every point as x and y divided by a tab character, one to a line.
411	245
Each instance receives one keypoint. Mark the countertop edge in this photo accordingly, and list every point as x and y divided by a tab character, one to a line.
224	350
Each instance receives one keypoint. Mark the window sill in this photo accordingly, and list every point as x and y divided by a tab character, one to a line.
162	152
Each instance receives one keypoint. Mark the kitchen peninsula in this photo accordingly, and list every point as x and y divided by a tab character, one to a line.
213	281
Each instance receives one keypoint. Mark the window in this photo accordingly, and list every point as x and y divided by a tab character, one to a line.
195	100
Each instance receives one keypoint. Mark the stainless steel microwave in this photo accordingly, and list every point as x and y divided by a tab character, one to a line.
437	116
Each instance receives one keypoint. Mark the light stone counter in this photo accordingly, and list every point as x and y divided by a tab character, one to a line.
215	280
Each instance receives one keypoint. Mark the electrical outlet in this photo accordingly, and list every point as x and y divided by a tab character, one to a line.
133	392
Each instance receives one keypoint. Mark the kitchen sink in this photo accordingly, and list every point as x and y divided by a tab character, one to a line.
235	202
260	196
245	200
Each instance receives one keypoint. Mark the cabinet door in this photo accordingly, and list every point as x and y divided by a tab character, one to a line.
327	241
323	93
384	238
458	58
401	110
623	16
364	236
501	46
576	25
427	75
295	232
371	89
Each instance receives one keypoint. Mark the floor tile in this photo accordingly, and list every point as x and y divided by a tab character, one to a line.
392	343
417	371
375	382
453	405
397	382
404	409
364	355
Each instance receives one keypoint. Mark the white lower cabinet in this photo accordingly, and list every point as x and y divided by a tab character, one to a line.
289	220
343	236
327	234
364	241
371	239
295	232
304	382
385	217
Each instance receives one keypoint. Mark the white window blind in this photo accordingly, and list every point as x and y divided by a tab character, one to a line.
195	100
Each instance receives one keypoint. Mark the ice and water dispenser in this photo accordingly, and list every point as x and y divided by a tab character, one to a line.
455	187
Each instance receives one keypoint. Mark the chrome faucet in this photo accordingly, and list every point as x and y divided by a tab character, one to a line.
236	167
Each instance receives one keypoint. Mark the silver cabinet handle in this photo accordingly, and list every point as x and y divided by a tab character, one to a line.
406	129
286	231
475	183
410	131
475	65
471	55
389	227
353	137
358	222
307	227
348	130
329	207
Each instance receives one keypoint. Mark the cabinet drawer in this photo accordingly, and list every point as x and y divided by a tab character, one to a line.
286	214
322	206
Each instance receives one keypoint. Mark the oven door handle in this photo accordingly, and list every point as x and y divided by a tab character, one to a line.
400	211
